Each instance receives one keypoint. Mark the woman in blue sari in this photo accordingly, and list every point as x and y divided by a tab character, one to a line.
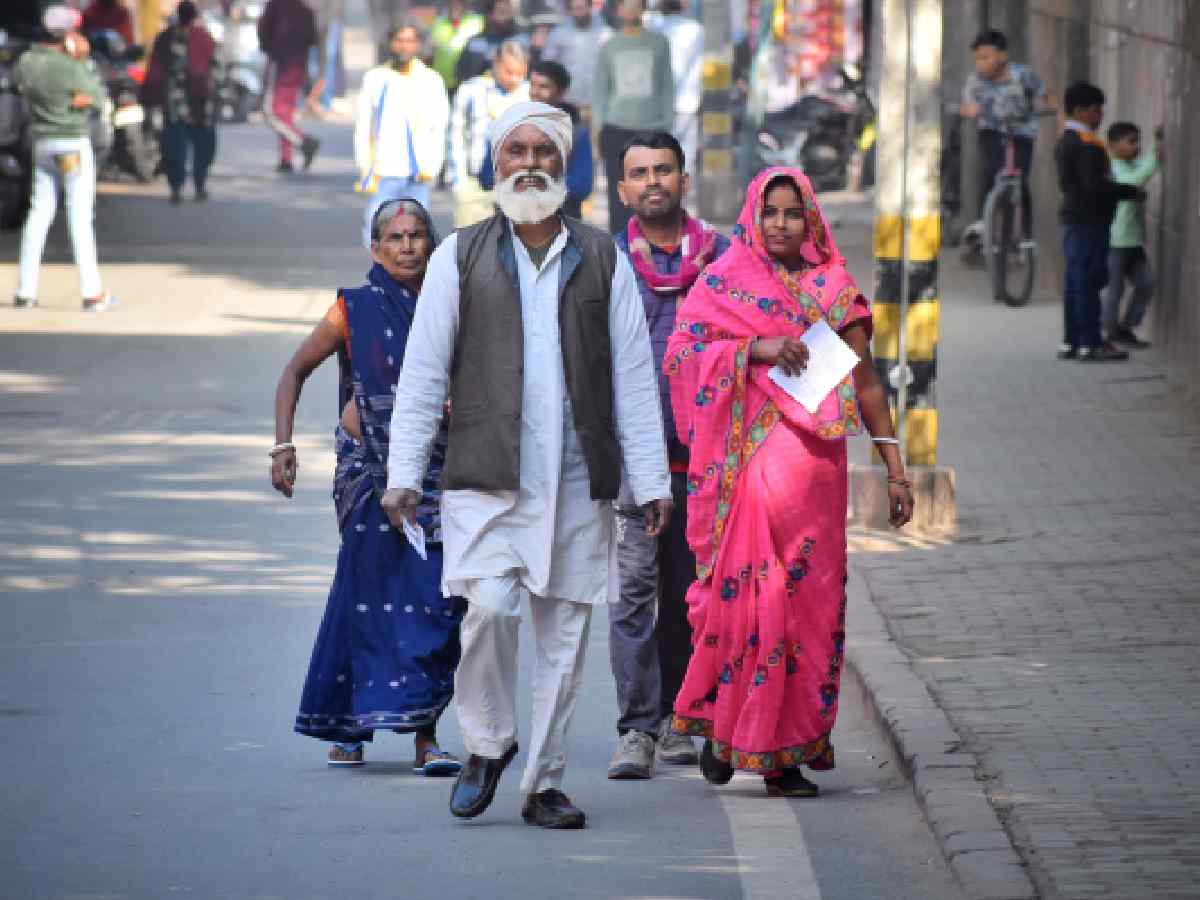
388	645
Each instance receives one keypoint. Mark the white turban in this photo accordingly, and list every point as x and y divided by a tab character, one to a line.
550	120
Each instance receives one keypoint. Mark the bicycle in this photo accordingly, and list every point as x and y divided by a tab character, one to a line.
1010	257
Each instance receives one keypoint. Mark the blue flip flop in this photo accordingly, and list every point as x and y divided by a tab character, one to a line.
438	764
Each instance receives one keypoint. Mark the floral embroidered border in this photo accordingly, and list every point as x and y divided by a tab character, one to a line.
817	754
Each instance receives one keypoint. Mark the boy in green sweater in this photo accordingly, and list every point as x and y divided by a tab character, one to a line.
1127	259
633	92
61	86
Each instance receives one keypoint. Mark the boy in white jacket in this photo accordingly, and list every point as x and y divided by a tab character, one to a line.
400	129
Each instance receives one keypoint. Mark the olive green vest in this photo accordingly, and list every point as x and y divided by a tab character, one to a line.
486	376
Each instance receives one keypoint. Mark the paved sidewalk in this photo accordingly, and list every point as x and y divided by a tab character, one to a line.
1058	630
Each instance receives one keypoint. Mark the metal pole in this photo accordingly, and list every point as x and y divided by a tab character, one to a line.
907	222
905	209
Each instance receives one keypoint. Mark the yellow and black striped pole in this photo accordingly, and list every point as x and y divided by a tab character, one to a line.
719	196
908	221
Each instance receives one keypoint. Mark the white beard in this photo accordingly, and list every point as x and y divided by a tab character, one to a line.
530	206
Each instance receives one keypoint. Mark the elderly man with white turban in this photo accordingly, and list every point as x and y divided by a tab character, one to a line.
533	326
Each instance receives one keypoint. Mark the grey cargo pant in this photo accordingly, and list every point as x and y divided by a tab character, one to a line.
649	637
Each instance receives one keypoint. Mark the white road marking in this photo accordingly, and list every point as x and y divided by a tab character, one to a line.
769	843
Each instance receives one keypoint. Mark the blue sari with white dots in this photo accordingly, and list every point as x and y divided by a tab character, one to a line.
388	645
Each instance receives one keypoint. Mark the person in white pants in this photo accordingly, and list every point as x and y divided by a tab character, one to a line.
533	324
79	187
686	36
60	86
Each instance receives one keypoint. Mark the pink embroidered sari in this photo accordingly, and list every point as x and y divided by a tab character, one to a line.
766	500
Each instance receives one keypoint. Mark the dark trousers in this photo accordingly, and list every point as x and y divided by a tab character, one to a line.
612	141
1085	249
1127	264
991	158
650	640
176	138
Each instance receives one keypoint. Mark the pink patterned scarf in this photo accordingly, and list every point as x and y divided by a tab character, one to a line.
697	249
747	294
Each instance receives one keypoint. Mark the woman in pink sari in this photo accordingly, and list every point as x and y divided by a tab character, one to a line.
767	489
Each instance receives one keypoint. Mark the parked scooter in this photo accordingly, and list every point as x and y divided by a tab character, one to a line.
16	157
808	133
240	88
824	134
132	148
862	131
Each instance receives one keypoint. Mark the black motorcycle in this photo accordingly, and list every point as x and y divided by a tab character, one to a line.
122	138
810	133
16	144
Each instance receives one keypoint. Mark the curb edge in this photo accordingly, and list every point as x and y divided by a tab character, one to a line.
972	839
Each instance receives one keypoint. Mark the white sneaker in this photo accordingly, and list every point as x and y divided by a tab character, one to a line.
676	749
634	757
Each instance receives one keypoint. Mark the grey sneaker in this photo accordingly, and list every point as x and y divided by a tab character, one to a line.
634	757
676	749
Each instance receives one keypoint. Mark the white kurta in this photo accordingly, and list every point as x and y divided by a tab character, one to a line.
550	533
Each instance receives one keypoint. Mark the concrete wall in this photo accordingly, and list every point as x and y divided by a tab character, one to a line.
1144	54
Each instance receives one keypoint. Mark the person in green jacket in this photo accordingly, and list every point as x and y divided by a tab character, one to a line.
61	87
449	36
1127	259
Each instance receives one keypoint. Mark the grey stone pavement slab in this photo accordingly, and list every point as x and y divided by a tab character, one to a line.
1058	629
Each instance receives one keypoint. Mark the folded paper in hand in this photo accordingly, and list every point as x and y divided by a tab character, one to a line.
416	536
830	359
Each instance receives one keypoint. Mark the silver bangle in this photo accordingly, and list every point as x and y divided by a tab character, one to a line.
885	440
281	448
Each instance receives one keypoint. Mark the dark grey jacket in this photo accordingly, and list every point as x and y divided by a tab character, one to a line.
486	376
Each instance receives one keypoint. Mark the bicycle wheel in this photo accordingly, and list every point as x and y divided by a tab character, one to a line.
1018	287
1011	261
1022	260
997	227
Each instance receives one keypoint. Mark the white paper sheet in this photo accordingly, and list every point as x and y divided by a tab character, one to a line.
830	359
416	536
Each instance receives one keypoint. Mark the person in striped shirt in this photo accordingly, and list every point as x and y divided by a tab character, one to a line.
477	103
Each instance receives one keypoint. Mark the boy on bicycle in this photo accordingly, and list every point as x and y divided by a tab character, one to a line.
1127	260
1001	94
1089	202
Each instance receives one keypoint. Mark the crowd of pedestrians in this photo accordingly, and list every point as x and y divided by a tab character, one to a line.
544	428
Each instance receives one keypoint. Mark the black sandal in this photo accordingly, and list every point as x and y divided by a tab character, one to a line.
791	783
715	771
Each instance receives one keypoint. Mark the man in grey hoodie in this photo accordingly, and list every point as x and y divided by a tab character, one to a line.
634	91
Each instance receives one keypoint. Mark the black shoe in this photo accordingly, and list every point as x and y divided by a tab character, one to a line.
1102	353
476	784
309	149
1126	337
284	168
1067	351
552	809
24	302
715	771
176	196
790	784
201	195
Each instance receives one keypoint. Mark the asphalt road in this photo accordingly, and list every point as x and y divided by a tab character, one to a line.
159	603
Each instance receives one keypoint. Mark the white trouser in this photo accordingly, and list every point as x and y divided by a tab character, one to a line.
79	185
485	685
687	132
